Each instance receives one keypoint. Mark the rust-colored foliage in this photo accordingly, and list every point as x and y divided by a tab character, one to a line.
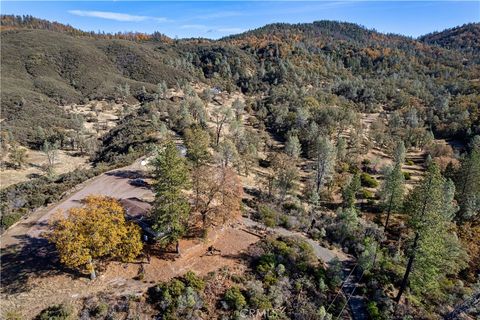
218	193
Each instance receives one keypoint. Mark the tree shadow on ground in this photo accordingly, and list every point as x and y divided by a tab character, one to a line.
126	174
32	257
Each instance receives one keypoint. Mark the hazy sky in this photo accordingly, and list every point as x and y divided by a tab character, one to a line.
216	19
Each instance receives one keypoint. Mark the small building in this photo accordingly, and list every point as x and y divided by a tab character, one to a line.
136	210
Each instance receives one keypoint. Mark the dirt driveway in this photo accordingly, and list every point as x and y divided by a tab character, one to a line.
115	183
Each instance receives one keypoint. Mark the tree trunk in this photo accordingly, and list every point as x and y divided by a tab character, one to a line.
388	212
415	245
204	220
177	247
409	268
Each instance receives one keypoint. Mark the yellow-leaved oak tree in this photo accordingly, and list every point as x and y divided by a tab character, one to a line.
95	232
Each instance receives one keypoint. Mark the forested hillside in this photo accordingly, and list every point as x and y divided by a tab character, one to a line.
341	63
464	38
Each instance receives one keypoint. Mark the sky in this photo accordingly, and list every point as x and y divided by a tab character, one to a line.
216	19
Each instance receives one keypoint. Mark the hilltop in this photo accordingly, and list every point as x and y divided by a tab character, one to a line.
463	38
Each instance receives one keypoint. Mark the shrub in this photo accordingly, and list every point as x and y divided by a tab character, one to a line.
100	310
409	162
234	298
367	194
22	198
8	220
368	181
407	175
56	312
192	280
268	215
13	315
178	297
373	311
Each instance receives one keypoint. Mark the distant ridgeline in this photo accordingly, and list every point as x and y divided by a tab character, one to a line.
335	63
465	38
9	22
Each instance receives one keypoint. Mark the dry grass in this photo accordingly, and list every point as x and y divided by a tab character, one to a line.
36	160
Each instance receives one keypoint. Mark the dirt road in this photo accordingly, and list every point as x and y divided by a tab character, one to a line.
324	254
115	183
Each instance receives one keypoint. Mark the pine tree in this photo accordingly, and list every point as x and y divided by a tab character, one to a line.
392	191
324	163
468	185
293	147
349	194
399	153
171	208
197	142
434	251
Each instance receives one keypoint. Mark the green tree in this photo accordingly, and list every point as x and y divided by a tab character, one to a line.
399	153
18	156
197	110
239	108
227	153
221	116
392	191
51	151
468	184
324	162
171	208
293	147
197	142
341	149
435	250
162	90
349	193
285	174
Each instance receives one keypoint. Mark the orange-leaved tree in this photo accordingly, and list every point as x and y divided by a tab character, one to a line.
96	232
218	194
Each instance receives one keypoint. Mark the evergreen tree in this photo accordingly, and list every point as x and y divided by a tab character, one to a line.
392	191
171	208
293	147
324	163
434	251
399	153
349	194
197	142
468	185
